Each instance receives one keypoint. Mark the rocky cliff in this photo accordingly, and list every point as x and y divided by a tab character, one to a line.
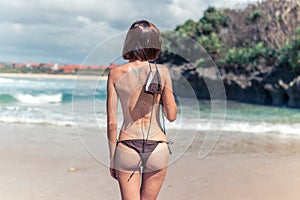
272	87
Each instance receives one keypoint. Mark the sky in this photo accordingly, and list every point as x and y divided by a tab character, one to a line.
67	31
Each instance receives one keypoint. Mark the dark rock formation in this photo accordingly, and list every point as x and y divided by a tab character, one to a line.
293	92
272	87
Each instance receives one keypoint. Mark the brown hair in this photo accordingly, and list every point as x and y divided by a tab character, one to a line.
143	42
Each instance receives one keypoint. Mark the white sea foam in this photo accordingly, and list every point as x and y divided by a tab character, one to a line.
39	99
262	127
238	126
35	115
6	80
21	120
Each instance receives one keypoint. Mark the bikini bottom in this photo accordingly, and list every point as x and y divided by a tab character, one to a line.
144	148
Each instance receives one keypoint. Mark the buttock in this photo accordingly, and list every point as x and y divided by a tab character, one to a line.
129	159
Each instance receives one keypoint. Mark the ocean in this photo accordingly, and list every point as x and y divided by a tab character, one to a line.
68	102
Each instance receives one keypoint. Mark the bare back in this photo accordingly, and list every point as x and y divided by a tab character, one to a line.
137	105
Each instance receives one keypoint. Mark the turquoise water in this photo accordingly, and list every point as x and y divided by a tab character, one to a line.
253	113
56	102
42	100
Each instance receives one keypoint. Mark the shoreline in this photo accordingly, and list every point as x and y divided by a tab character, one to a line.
55	76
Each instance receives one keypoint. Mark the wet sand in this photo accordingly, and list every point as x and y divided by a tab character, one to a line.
49	162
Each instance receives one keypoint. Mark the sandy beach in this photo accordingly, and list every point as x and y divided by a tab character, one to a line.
55	76
37	162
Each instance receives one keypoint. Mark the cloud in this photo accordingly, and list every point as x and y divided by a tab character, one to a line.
66	31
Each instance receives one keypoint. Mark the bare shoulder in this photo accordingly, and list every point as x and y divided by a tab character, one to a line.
164	70
163	67
117	71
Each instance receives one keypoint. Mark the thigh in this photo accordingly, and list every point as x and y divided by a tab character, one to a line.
154	172
126	162
130	189
151	183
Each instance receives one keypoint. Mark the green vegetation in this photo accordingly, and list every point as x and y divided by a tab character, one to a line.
290	54
255	57
246	39
253	16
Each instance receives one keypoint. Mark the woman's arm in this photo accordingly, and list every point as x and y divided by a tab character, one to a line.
111	111
168	101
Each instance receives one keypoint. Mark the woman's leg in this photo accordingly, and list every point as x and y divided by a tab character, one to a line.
155	172
130	190
127	161
151	184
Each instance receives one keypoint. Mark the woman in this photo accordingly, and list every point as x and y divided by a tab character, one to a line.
139	156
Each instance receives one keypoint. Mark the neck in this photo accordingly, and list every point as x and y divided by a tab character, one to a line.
138	61
134	60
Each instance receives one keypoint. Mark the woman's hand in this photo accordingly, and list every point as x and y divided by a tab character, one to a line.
113	173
